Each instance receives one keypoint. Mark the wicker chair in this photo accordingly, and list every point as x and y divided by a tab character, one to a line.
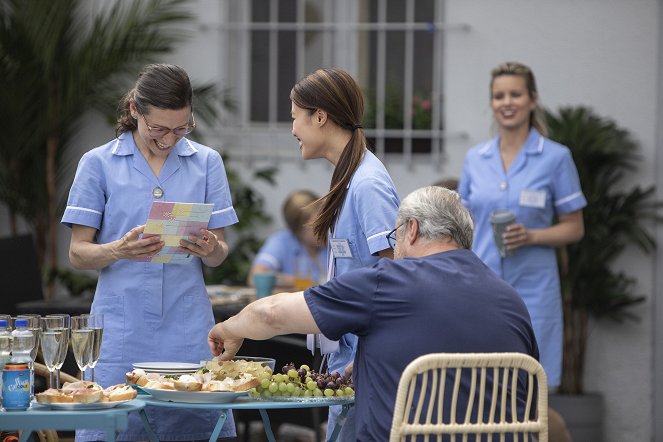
472	404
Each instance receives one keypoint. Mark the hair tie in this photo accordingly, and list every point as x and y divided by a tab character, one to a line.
356	126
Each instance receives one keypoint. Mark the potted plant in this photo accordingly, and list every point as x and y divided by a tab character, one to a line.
57	63
615	218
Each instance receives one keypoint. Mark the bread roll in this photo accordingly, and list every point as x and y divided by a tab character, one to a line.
52	396
120	392
88	395
187	383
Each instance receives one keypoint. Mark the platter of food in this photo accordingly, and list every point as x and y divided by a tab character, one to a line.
215	383
195	397
85	395
80	405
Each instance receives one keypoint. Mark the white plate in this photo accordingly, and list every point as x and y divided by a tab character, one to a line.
170	367
195	397
80	406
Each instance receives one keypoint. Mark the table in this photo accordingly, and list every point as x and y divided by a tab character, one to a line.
252	404
111	420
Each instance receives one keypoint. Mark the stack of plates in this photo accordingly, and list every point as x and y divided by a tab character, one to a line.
167	367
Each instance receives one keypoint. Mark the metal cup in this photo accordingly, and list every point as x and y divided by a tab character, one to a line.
500	219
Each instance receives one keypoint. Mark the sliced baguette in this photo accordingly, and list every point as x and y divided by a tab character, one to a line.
120	392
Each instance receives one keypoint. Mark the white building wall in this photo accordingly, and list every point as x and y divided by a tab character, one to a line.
600	53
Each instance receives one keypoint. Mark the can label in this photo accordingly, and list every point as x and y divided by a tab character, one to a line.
16	389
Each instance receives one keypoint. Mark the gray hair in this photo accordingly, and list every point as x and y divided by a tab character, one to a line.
440	213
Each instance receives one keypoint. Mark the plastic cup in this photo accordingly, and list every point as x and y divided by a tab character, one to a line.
264	283
500	219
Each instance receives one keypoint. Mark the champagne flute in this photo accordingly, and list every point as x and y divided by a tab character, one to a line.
64	344
52	333
96	323
34	326
81	342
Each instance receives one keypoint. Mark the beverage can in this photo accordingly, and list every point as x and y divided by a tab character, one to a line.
16	386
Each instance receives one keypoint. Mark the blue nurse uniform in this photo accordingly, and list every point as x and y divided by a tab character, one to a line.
152	312
541	183
368	214
282	252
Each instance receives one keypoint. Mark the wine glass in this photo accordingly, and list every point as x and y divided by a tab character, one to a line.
81	341
52	333
34	326
64	344
96	323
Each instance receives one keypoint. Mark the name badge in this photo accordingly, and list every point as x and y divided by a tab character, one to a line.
533	198
340	248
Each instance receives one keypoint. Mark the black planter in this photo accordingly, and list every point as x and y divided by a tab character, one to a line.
583	414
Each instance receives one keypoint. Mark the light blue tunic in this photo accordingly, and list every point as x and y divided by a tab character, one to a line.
368	215
542	182
282	251
152	312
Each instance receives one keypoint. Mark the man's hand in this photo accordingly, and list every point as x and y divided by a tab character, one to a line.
220	343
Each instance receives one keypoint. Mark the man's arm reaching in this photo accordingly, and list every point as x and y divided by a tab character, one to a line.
267	317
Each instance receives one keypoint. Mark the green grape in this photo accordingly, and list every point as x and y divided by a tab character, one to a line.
254	393
317	392
277	377
265	383
339	392
311	385
286	394
305	367
266	393
329	392
349	391
307	380
292	373
283	386
308	393
291	387
273	387
297	392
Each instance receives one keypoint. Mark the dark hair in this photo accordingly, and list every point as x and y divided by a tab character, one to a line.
337	93
164	86
536	119
298	209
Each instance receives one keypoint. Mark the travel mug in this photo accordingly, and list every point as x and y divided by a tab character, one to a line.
500	219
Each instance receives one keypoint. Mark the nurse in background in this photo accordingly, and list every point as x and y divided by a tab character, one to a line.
522	170
294	254
152	311
359	210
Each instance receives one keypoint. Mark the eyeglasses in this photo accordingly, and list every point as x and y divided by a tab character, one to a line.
159	132
391	236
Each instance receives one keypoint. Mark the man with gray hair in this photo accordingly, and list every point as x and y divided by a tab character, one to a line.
435	296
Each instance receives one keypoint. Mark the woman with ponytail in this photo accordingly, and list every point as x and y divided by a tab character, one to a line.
360	208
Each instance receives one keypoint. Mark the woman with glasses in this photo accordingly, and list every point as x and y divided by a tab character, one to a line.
361	205
153	311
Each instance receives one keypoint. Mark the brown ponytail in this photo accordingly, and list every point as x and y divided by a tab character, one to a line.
337	93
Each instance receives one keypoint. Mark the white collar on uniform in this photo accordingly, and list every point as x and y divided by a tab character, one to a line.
533	145
124	145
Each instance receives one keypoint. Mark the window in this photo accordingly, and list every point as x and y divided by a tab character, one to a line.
392	47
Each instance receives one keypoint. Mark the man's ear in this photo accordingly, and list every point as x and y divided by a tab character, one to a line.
412	231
